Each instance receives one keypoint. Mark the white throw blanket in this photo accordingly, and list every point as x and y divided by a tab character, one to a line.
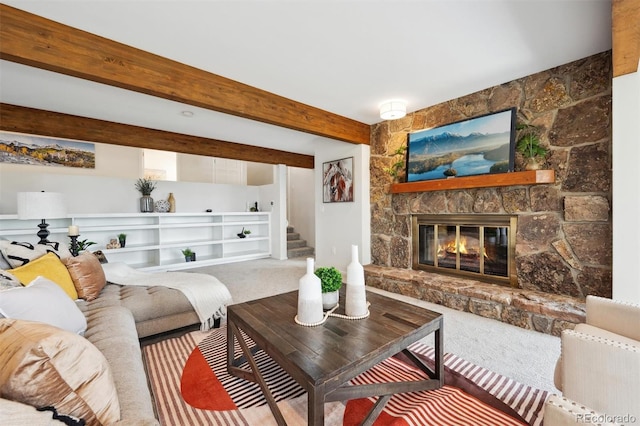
208	296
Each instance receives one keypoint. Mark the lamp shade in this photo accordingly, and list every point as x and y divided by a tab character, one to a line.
41	205
392	110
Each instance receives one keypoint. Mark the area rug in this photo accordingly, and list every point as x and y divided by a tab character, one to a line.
191	386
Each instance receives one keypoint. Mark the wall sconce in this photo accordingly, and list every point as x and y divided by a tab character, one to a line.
41	205
392	110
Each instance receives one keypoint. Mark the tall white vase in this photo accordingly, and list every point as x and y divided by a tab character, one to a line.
310	297
356	299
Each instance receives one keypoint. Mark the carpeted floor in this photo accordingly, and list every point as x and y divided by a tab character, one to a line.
526	356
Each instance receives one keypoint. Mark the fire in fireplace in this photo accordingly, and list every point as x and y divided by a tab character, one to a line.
479	246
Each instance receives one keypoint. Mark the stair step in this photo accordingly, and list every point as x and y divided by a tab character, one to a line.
296	244
300	252
290	229
293	236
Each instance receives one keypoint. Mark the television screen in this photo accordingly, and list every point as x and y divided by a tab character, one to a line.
476	146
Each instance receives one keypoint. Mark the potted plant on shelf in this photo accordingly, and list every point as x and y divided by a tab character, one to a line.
529	146
123	239
243	233
189	255
331	281
146	186
246	232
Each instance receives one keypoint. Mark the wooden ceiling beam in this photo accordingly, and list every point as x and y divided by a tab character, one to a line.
626	36
32	40
20	119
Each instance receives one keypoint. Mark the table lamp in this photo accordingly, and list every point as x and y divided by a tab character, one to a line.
41	205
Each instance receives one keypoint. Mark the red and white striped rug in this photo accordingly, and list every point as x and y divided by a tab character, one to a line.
190	386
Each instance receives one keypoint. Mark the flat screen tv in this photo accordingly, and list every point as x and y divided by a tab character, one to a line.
476	146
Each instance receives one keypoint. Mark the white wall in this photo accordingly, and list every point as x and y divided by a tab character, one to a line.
339	225
109	188
274	200
301	203
626	187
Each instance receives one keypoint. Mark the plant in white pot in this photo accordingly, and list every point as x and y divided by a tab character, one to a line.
331	281
529	146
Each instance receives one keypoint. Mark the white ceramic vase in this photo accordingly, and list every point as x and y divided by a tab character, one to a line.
310	297
356	298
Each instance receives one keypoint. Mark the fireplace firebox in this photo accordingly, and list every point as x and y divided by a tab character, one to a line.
473	245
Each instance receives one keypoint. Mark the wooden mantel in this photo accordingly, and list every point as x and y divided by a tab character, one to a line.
482	181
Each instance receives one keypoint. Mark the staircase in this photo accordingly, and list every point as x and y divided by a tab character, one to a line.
295	246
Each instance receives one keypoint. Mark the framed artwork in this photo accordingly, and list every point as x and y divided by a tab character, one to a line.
19	148
337	181
476	146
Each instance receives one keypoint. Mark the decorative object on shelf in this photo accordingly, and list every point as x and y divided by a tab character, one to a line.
113	244
172	203
73	246
84	245
309	298
399	161
145	186
122	238
162	206
331	282
246	232
41	205
189	255
528	145
476	146
242	234
74	230
356	303
254	208
337	181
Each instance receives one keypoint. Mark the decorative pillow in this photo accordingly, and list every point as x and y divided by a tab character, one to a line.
87	275
21	253
43	301
8	280
45	366
48	266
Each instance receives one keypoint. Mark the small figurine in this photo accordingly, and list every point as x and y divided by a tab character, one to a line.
113	244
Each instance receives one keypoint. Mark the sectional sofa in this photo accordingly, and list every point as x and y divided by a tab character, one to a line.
78	358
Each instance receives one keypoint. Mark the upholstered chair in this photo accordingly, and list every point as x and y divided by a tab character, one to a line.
599	368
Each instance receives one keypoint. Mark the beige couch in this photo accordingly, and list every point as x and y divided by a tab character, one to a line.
115	322
599	368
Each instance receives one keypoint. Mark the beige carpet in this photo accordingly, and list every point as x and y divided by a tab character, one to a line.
525	356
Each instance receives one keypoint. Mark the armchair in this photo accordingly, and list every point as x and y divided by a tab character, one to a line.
599	368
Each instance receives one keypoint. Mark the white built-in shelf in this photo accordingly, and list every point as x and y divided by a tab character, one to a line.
155	240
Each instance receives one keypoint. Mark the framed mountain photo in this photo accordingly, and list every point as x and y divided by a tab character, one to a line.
476	146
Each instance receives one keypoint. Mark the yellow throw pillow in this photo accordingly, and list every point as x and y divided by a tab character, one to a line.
48	266
45	366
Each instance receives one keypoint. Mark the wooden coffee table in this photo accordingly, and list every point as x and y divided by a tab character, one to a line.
323	359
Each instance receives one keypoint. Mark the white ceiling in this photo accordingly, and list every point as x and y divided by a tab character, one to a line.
346	57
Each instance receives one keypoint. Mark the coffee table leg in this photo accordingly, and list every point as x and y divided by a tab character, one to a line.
315	409
257	376
439	361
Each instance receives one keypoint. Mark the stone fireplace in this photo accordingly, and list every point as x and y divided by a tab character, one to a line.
481	247
563	234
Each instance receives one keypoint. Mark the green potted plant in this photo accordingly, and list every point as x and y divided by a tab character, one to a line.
145	186
398	163
529	146
246	232
122	238
189	255
331	281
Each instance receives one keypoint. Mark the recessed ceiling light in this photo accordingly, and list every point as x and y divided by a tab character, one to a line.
187	113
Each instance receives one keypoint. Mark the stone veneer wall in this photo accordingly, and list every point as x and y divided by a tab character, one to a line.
564	229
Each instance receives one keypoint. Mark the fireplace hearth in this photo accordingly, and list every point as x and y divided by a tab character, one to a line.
480	246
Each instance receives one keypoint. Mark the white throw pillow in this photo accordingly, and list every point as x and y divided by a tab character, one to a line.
43	301
18	253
